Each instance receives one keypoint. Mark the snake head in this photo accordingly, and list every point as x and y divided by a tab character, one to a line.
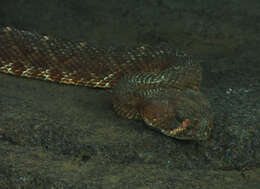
184	115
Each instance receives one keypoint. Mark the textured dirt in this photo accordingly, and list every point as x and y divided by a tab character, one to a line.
61	136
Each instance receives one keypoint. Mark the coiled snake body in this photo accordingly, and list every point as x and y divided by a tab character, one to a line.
154	84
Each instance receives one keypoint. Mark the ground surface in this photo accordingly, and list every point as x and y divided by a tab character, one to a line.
62	136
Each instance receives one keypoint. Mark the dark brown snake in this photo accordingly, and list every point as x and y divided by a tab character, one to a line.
154	84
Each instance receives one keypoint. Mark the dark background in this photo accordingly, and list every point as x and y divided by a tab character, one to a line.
61	136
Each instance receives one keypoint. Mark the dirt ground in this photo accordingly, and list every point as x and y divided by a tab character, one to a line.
61	136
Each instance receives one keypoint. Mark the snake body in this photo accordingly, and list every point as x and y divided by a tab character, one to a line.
154	84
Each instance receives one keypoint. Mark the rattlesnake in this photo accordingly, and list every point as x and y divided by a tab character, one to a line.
155	84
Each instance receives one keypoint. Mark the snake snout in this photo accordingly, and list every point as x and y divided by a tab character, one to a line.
193	129
194	118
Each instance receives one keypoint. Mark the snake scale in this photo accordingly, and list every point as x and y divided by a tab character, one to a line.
152	83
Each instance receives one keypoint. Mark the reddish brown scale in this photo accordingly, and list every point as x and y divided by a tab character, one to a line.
18	69
155	84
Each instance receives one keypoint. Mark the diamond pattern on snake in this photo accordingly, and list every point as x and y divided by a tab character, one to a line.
150	83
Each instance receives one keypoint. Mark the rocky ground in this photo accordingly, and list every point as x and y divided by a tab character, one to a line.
60	136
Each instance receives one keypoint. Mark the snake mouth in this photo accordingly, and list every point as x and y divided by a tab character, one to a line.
190	129
183	128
